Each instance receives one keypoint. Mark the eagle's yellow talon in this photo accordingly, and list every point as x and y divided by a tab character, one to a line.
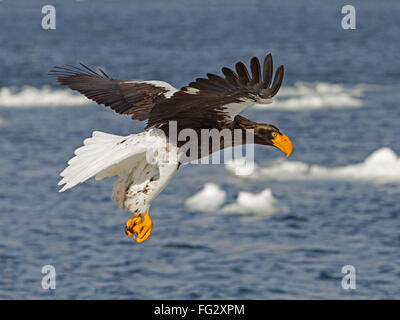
130	224
128	232
142	229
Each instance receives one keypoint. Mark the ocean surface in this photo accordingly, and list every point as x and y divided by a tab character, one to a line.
284	232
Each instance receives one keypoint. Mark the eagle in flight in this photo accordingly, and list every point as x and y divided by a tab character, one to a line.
139	159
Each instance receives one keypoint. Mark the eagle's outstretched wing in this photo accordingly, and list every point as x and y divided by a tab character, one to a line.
215	101
205	103
135	98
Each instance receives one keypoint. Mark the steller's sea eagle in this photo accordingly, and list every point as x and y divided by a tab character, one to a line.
139	159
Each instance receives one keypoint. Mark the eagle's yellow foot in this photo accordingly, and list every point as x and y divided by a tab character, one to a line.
135	220
139	228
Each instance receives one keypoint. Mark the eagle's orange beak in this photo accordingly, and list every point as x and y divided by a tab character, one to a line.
283	143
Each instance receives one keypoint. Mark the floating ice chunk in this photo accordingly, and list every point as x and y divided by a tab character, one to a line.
208	199
212	197
29	97
382	166
261	203
319	95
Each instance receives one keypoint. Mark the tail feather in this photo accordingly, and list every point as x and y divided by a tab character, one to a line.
89	158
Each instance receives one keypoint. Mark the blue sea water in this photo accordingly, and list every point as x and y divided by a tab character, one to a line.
297	253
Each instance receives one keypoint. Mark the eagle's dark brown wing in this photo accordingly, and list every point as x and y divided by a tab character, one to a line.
205	103
135	98
214	101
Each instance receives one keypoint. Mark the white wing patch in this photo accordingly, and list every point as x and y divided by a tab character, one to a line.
191	90
160	84
233	109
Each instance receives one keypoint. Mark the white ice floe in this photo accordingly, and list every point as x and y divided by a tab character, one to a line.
28	97
262	203
208	199
211	199
319	95
382	166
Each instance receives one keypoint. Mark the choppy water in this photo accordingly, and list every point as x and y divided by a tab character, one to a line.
296	253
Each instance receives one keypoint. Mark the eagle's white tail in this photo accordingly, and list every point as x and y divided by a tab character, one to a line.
90	159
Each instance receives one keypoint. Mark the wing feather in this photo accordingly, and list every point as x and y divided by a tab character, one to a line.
209	102
135	98
277	81
214	102
231	76
242	72
267	71
255	71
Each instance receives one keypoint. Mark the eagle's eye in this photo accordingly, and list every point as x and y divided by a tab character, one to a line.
274	134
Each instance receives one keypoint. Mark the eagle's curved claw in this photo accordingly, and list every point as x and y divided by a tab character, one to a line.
144	228
130	224
129	232
138	228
